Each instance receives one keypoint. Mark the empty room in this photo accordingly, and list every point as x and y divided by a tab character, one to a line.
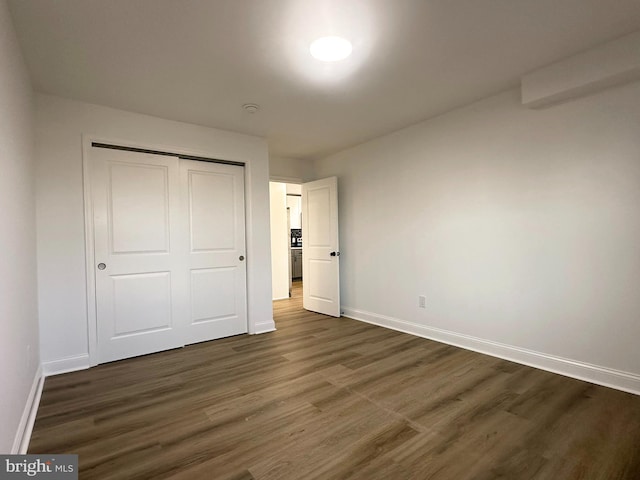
320	239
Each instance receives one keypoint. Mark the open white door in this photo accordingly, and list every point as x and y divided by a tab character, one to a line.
320	247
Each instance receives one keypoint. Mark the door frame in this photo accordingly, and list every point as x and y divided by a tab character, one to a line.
90	261
292	181
311	253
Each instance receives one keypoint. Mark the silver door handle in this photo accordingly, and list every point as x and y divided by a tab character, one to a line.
102	266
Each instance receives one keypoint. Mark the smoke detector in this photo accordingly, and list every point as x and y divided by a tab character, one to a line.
251	107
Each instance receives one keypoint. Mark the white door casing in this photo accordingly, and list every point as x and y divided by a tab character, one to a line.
289	250
320	247
163	261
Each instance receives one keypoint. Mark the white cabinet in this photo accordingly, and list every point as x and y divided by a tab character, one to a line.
296	263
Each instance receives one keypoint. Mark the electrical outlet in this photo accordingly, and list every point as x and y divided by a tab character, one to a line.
422	301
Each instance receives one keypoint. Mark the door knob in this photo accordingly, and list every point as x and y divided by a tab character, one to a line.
241	258
102	266
335	254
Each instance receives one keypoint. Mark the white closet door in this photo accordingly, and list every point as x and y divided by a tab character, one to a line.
213	202
169	243
139	271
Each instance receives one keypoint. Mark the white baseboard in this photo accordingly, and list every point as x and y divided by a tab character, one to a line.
25	427
281	298
64	365
625	381
264	327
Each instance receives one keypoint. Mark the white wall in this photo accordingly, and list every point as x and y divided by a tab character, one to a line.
60	215
283	169
520	227
294	203
279	241
19	359
294	189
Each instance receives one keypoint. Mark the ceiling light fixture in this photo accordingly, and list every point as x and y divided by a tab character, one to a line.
331	49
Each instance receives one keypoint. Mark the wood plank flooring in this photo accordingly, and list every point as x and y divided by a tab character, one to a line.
325	398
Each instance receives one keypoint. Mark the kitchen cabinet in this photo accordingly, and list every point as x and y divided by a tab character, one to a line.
296	263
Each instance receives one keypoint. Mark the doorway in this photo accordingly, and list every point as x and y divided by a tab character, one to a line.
313	250
286	239
294	211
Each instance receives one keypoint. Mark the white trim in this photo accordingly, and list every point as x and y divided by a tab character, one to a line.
281	298
25	427
625	381
92	316
249	245
264	327
64	365
279	179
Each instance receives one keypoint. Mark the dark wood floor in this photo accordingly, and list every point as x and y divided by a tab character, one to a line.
326	398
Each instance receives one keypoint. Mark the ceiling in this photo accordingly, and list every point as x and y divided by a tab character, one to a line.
199	61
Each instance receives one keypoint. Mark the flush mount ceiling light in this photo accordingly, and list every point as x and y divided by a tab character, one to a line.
330	49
